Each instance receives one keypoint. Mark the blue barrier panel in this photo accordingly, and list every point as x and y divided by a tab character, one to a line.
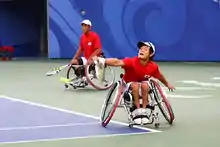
182	30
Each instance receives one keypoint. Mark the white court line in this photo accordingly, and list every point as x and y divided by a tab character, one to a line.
189	96
48	126
205	84
216	78
190	88
75	113
188	81
74	138
70	112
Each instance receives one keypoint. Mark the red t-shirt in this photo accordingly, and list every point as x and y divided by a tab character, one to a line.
89	43
135	71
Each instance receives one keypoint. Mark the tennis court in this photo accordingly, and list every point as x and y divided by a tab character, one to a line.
36	110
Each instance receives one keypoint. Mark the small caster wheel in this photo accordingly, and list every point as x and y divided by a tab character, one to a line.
157	125
66	86
74	86
130	126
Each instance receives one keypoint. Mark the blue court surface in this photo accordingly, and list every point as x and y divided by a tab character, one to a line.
23	121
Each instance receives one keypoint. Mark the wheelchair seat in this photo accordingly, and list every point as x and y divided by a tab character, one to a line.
80	71
128	99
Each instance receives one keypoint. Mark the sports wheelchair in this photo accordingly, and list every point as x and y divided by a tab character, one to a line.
82	75
123	98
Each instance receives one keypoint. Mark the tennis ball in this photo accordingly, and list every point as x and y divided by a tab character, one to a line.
83	12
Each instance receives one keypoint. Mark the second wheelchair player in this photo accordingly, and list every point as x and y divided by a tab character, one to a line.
87	73
135	71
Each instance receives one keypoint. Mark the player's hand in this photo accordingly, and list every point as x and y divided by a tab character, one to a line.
72	61
94	59
170	87
98	60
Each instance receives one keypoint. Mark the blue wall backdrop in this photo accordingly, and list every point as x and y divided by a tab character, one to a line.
182	30
20	26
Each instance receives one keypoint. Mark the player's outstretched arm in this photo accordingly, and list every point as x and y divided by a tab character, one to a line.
109	61
165	82
162	79
114	62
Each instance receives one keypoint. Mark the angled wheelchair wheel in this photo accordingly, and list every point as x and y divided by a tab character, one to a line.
111	103
74	73
70	72
162	102
109	77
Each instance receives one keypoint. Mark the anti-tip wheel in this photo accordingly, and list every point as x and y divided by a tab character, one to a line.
131	125
66	86
157	125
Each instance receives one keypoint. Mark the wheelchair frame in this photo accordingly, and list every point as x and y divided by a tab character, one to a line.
85	70
119	101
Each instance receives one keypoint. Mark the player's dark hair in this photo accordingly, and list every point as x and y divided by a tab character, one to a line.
151	51
140	44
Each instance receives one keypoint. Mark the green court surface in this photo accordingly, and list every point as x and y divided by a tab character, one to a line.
195	103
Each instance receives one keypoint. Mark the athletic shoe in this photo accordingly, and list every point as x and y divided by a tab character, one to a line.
144	119
137	116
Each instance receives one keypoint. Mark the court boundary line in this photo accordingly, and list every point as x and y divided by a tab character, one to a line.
71	112
177	96
75	138
215	78
75	113
191	88
46	126
199	83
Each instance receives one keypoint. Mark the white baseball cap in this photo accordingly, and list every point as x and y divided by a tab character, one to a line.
87	22
151	45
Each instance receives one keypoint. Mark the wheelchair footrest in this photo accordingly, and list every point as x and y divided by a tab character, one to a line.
134	124
148	106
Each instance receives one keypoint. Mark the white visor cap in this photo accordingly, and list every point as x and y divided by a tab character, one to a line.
142	43
86	22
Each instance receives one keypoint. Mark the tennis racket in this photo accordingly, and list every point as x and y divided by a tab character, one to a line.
56	70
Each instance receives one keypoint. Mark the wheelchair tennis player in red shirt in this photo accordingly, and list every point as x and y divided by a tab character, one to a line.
89	43
135	71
